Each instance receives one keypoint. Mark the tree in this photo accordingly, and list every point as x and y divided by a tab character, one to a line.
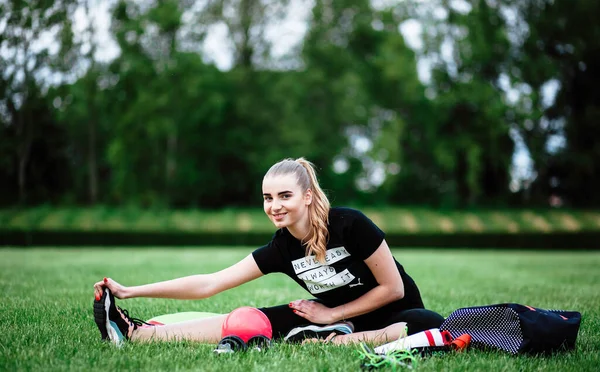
26	60
560	48
461	152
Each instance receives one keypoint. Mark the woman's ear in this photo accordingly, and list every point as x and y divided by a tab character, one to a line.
308	197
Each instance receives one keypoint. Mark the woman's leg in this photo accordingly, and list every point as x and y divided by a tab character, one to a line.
282	319
379	329
202	330
376	337
419	320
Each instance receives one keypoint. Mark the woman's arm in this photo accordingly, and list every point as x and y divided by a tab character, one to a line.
189	287
390	288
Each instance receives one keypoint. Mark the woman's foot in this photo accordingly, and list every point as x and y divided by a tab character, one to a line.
327	340
114	323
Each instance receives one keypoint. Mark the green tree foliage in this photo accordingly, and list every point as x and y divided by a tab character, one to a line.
460	153
562	44
362	77
161	126
28	131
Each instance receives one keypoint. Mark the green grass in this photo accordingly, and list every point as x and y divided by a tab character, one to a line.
46	320
390	219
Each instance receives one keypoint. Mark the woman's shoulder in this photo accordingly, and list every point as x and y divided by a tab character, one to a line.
342	213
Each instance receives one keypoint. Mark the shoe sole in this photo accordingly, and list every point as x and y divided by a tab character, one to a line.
108	329
114	334
100	317
313	331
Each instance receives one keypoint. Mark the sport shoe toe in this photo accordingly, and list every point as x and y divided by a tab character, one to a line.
319	331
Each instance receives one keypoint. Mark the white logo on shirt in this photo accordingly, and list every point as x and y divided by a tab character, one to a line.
354	285
322	278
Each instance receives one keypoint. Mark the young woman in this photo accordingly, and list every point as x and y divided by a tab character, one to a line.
337	254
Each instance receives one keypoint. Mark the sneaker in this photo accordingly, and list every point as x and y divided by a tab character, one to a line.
114	323
318	331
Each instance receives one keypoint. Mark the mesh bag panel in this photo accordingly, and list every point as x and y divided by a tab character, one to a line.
489	326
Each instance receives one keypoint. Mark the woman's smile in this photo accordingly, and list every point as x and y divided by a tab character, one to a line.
279	216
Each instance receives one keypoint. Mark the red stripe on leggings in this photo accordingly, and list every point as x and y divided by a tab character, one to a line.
430	338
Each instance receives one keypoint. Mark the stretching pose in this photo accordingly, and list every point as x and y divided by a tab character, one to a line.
361	293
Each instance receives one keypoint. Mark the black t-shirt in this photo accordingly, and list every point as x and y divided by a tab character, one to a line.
344	277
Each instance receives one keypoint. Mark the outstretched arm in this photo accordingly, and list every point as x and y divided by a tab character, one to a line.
390	288
189	287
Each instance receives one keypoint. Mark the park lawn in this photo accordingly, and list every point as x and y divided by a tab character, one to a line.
46	318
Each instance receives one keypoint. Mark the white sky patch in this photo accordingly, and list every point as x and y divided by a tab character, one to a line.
424	70
461	6
440	13
286	33
46	41
447	54
517	29
383	4
412	30
340	165
548	91
217	47
522	168
361	144
108	48
377	176
512	95
556	142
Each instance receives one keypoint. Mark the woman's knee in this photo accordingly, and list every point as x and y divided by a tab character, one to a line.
418	320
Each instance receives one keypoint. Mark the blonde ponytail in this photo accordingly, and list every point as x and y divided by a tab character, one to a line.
318	210
318	215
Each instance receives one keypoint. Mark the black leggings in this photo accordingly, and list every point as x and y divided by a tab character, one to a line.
283	319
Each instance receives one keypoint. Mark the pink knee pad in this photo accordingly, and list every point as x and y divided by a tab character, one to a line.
245	327
246	322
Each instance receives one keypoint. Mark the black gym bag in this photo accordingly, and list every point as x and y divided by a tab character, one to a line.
515	328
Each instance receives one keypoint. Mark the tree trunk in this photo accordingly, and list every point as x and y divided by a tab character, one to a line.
246	51
93	114
171	164
23	148
23	160
171	156
24	133
92	163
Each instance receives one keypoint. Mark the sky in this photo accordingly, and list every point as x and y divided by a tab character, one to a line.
288	33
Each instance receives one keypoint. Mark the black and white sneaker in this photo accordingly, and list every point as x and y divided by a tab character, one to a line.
319	331
114	323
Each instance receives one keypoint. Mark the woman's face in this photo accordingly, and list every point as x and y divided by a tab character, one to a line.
284	202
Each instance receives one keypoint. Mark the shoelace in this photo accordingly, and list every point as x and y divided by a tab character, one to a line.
394	359
136	321
399	358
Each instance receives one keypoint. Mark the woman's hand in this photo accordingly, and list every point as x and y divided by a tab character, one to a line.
118	290
314	312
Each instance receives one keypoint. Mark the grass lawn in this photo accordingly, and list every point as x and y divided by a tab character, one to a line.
46	318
